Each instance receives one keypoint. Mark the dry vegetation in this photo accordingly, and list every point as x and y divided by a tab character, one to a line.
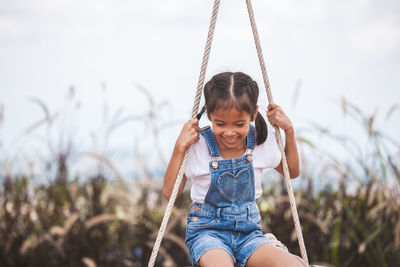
98	221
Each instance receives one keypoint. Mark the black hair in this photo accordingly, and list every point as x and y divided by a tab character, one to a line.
235	90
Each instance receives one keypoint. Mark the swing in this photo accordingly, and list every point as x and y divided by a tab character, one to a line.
195	112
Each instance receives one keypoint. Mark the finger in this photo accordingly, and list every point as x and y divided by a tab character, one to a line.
277	121
276	117
198	129
194	121
271	113
277	112
274	121
190	123
196	137
274	110
272	106
194	131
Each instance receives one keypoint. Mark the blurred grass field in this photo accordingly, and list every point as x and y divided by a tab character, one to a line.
352	219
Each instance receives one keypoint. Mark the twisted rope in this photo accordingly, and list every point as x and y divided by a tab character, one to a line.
194	113
278	135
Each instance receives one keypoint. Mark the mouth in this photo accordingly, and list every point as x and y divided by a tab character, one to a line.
231	141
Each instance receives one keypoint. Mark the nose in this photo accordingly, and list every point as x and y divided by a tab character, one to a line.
229	132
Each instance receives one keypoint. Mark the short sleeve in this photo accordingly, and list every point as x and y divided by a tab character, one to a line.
189	163
276	153
198	159
267	155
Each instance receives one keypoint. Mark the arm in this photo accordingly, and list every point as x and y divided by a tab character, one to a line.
188	136
276	116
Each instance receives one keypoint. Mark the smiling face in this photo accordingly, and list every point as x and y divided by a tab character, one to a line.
230	127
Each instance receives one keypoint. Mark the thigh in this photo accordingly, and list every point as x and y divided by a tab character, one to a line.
205	240
271	256
215	258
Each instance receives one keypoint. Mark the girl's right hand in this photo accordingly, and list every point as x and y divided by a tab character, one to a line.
189	135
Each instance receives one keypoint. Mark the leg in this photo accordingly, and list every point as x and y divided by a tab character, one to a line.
300	260
215	258
271	256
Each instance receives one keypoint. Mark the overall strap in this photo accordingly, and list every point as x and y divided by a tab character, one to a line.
251	138
211	142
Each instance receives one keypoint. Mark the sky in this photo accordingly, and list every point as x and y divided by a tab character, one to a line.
316	53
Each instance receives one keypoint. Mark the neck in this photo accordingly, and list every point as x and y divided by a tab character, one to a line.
230	153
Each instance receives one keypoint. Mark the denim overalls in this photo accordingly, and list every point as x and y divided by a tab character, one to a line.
229	217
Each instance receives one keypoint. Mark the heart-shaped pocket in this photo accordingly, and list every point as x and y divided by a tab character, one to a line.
233	187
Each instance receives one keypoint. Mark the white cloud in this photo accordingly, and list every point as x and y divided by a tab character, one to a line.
11	27
311	10
378	37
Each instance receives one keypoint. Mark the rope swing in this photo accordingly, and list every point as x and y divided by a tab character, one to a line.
194	113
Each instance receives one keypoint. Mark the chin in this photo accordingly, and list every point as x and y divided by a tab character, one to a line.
232	145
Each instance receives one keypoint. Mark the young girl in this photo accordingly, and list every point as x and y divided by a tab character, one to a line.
225	166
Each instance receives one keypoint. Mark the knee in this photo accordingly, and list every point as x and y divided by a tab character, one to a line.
216	258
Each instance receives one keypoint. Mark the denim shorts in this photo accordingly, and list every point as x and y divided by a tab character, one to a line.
236	230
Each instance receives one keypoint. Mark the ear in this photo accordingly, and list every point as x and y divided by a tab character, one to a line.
255	113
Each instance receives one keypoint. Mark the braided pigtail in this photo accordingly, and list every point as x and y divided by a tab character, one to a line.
261	129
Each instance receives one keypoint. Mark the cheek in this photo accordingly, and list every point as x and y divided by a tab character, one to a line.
245	131
217	130
217	133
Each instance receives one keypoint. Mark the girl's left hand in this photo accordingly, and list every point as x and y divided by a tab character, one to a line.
276	116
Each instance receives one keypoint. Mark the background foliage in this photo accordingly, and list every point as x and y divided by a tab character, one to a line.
352	219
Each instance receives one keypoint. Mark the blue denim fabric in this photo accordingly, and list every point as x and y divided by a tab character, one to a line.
229	219
232	180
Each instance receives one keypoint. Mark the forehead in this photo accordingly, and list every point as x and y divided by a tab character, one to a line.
231	114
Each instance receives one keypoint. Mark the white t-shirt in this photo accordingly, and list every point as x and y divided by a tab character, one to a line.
266	155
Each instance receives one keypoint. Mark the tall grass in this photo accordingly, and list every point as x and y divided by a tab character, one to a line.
354	220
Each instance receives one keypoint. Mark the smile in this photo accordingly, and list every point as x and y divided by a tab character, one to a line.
231	140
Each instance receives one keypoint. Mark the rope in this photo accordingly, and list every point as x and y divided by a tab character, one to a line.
194	113
278	135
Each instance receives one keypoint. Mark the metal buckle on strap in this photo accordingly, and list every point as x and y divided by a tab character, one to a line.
248	212
218	213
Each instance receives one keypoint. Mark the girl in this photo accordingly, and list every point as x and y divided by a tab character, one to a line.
225	165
